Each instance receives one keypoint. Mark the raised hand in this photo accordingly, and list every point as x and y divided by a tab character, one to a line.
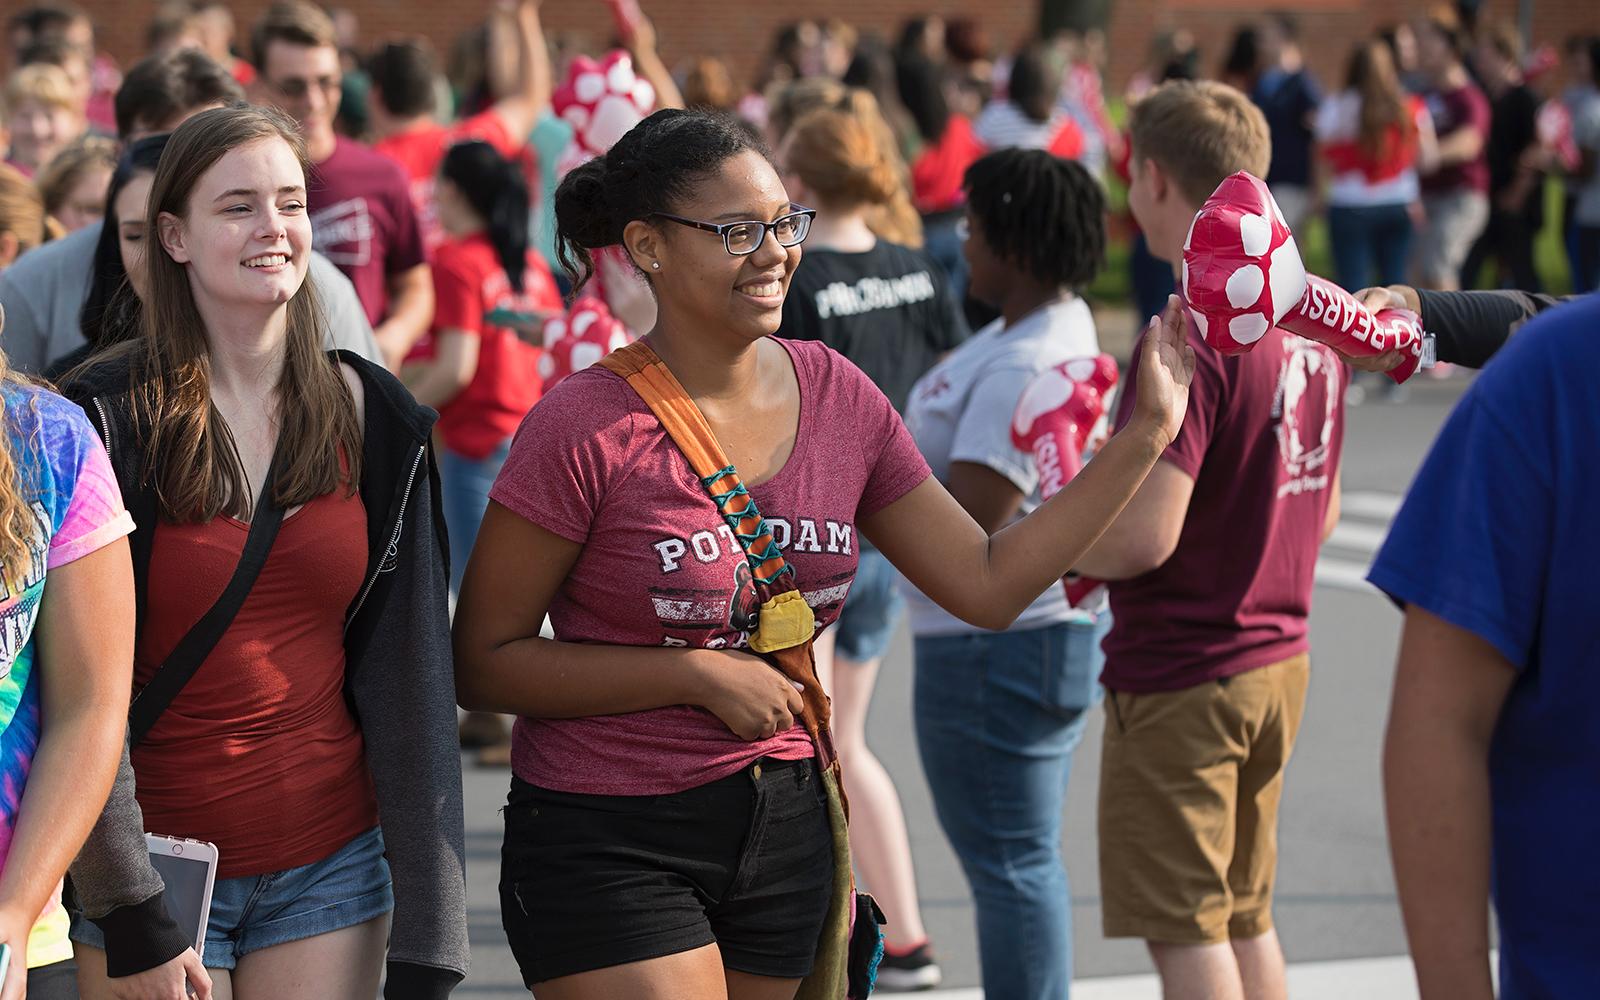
1166	367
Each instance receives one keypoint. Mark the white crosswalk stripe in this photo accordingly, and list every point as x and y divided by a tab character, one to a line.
1385	978
1364	519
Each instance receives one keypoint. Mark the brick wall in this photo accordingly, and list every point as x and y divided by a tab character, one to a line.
741	31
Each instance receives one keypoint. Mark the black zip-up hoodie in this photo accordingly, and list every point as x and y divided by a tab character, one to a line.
399	679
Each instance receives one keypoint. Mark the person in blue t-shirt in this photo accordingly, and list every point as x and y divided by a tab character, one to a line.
1494	733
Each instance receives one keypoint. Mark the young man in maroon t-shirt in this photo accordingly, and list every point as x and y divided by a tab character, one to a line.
1211	568
360	202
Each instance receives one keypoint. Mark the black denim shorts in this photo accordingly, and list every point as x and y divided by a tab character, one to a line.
592	881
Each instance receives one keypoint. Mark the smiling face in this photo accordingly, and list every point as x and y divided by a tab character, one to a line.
306	82
245	238
699	283
130	205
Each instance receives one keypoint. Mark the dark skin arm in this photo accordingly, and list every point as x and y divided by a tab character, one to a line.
1449	688
987	580
504	665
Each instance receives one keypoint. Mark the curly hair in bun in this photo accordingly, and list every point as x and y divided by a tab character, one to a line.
653	167
839	158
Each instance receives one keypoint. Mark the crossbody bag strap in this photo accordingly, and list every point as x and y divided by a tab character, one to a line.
787	625
175	672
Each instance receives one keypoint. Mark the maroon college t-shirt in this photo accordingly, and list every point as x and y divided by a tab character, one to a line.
362	220
660	567
1262	440
1451	110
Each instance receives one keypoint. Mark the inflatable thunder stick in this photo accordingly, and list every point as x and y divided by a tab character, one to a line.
1242	275
1055	418
587	333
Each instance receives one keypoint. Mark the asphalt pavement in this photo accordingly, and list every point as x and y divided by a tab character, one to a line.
1335	897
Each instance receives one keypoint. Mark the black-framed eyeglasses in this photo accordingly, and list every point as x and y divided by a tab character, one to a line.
741	238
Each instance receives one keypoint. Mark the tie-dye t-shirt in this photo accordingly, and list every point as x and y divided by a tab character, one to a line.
77	508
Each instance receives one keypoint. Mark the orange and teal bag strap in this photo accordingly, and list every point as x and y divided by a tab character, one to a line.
785	624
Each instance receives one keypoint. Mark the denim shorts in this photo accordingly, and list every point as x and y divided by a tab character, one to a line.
253	912
871	611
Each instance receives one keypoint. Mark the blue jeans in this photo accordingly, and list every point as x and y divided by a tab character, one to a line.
1152	281
464	483
940	242
998	715
253	912
1368	237
871	610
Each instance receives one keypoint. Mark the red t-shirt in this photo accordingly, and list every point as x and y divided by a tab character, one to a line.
659	567
259	754
420	151
937	174
1262	439
362	221
469	283
1465	106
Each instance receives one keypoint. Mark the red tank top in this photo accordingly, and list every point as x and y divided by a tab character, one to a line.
259	754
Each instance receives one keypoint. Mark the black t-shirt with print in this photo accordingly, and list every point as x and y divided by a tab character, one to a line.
886	309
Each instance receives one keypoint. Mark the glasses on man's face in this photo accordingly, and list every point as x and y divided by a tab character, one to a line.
741	238
296	88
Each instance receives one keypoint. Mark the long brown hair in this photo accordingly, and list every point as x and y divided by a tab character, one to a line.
191	455
1372	76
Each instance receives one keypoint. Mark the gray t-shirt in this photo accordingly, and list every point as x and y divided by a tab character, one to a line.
961	411
44	291
1586	133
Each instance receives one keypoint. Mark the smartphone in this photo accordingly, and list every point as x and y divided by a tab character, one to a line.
5	960
189	868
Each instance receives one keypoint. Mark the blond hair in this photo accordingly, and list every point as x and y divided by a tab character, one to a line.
1200	132
19	528
45	83
894	219
58	177
839	158
21	210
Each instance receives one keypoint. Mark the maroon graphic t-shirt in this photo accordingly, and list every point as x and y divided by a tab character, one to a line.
660	567
1261	439
363	221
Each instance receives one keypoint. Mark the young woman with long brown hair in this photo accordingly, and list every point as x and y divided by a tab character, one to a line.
327	702
1371	138
665	834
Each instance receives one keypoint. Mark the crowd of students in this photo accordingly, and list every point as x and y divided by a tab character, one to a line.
305	489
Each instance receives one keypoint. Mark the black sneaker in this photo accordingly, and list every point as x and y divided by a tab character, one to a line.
915	970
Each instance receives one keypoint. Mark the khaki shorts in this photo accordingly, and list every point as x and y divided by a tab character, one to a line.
1189	788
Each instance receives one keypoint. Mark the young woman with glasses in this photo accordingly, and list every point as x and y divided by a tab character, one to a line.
665	834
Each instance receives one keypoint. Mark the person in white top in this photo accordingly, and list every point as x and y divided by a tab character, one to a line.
1372	138
998	714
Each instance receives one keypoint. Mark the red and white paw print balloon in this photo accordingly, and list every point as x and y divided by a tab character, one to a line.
587	333
1062	413
1242	276
1058	413
603	100
1241	269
